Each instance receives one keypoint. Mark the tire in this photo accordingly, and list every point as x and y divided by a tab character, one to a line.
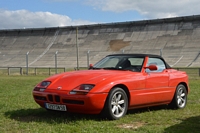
116	104
180	97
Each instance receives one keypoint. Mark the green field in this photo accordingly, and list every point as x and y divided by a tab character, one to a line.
20	114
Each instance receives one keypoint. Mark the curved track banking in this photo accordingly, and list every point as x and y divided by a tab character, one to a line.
174	38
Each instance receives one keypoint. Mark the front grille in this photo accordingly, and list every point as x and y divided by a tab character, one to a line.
40	98
57	98
73	101
50	98
54	98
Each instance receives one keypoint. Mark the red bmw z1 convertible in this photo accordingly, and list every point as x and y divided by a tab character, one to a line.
113	85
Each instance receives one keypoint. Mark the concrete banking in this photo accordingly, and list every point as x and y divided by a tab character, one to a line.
176	39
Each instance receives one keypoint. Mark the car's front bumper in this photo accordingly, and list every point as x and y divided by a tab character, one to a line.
89	104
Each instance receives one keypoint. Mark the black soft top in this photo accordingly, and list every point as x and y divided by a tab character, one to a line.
143	55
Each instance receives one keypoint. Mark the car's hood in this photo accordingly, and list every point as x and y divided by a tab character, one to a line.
70	80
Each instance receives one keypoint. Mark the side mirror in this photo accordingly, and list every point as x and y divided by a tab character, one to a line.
152	67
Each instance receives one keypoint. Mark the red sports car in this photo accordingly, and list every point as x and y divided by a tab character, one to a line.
113	85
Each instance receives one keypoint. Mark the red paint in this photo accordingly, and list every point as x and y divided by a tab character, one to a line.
145	89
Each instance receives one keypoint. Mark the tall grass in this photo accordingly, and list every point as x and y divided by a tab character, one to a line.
20	114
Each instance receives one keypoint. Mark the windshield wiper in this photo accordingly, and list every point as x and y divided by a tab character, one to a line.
95	68
111	68
114	68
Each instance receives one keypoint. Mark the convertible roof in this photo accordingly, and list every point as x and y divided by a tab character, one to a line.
143	55
139	55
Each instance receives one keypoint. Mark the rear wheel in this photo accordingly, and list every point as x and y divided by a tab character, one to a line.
116	104
180	97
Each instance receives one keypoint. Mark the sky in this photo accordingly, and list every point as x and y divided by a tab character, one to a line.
20	14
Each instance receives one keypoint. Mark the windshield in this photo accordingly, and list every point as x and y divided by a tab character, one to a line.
120	63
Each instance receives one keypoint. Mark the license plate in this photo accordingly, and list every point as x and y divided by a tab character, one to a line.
56	107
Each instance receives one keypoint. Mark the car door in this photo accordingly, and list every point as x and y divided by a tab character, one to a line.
157	82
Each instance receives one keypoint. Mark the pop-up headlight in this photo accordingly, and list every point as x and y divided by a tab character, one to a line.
42	86
45	83
82	89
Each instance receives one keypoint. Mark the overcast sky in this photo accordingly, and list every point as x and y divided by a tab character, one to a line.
18	14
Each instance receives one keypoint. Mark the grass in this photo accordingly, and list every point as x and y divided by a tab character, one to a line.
20	114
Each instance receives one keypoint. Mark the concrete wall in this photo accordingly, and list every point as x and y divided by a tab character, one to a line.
177	38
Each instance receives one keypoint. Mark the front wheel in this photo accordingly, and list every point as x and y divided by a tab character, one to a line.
116	104
180	97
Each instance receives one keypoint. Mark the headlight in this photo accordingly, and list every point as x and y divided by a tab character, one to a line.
42	86
82	89
85	87
45	83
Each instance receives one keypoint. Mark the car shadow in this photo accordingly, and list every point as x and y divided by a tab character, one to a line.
48	116
147	109
189	125
43	115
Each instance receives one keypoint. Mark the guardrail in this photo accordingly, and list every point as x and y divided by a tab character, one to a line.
52	70
31	70
191	71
